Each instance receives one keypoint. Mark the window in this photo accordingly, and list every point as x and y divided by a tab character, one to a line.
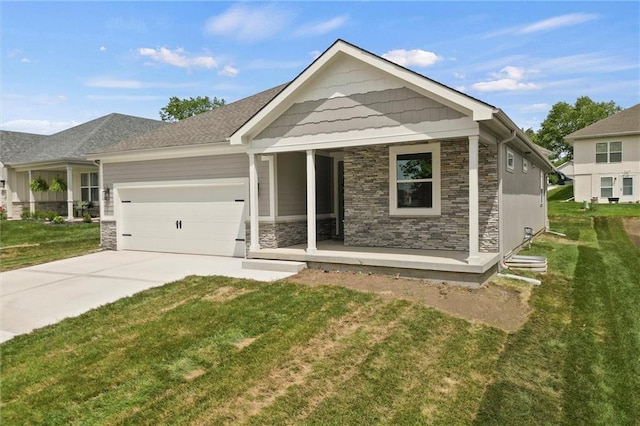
511	160
627	186
606	187
414	180
525	166
609	152
89	189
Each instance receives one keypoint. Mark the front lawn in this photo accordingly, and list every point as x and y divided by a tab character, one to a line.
218	350
27	242
558	205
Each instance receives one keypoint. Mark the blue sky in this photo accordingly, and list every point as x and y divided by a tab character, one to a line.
65	63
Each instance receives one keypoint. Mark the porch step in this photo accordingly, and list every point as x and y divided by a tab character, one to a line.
274	265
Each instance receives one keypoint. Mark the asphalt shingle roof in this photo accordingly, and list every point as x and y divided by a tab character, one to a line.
214	126
75	143
13	144
627	121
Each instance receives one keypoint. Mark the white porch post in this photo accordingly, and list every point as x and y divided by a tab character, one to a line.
253	203
69	193
311	201
474	216
32	196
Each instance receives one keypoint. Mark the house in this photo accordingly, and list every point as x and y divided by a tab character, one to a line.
61	156
357	162
606	158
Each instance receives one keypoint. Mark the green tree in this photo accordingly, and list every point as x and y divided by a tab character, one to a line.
564	119
178	109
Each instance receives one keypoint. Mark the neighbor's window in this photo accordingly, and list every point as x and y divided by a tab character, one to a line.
525	166
89	188
606	187
511	160
414	180
609	152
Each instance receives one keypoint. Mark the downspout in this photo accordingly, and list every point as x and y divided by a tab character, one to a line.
501	265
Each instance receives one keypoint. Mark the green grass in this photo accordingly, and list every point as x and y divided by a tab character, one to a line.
215	350
559	206
25	242
185	353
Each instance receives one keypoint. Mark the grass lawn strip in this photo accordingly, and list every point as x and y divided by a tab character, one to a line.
26	243
576	360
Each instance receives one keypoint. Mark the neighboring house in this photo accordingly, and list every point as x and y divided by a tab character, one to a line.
12	145
606	158
356	162
26	157
566	169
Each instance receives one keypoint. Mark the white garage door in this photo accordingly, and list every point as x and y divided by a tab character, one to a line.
196	219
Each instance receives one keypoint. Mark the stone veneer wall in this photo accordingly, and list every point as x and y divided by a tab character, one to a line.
108	236
366	195
286	234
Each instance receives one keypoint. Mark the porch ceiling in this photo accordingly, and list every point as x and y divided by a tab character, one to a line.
330	251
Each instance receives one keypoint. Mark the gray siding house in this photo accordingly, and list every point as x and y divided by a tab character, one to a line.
25	157
356	163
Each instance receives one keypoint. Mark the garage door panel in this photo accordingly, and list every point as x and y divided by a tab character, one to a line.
202	219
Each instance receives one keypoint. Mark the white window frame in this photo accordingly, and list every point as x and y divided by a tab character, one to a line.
394	151
525	165
608	152
90	187
606	187
511	160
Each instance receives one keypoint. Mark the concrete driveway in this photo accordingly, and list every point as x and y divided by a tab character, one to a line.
45	294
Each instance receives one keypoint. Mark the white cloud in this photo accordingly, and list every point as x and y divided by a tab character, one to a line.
245	23
125	98
178	58
229	71
542	107
25	60
102	48
315	54
546	24
557	22
415	57
115	83
322	28
508	79
41	127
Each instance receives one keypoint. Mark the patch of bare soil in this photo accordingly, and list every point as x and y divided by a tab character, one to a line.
495	305
632	226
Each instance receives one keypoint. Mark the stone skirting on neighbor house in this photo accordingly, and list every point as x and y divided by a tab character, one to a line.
366	195
108	235
289	233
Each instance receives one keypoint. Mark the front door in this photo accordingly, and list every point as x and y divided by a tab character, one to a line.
626	191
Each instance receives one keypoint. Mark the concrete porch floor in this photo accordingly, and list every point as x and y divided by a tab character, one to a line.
436	264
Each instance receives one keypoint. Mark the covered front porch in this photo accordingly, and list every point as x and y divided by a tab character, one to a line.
432	264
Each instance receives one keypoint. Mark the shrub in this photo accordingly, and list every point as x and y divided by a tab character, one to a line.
86	218
50	215
25	215
58	220
3	213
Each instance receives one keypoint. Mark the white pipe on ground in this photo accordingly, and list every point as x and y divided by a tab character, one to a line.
520	278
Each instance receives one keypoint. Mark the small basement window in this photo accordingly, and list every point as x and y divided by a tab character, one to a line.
414	180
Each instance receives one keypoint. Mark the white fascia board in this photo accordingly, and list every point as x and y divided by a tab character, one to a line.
58	165
170	153
456	100
448	129
277	104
